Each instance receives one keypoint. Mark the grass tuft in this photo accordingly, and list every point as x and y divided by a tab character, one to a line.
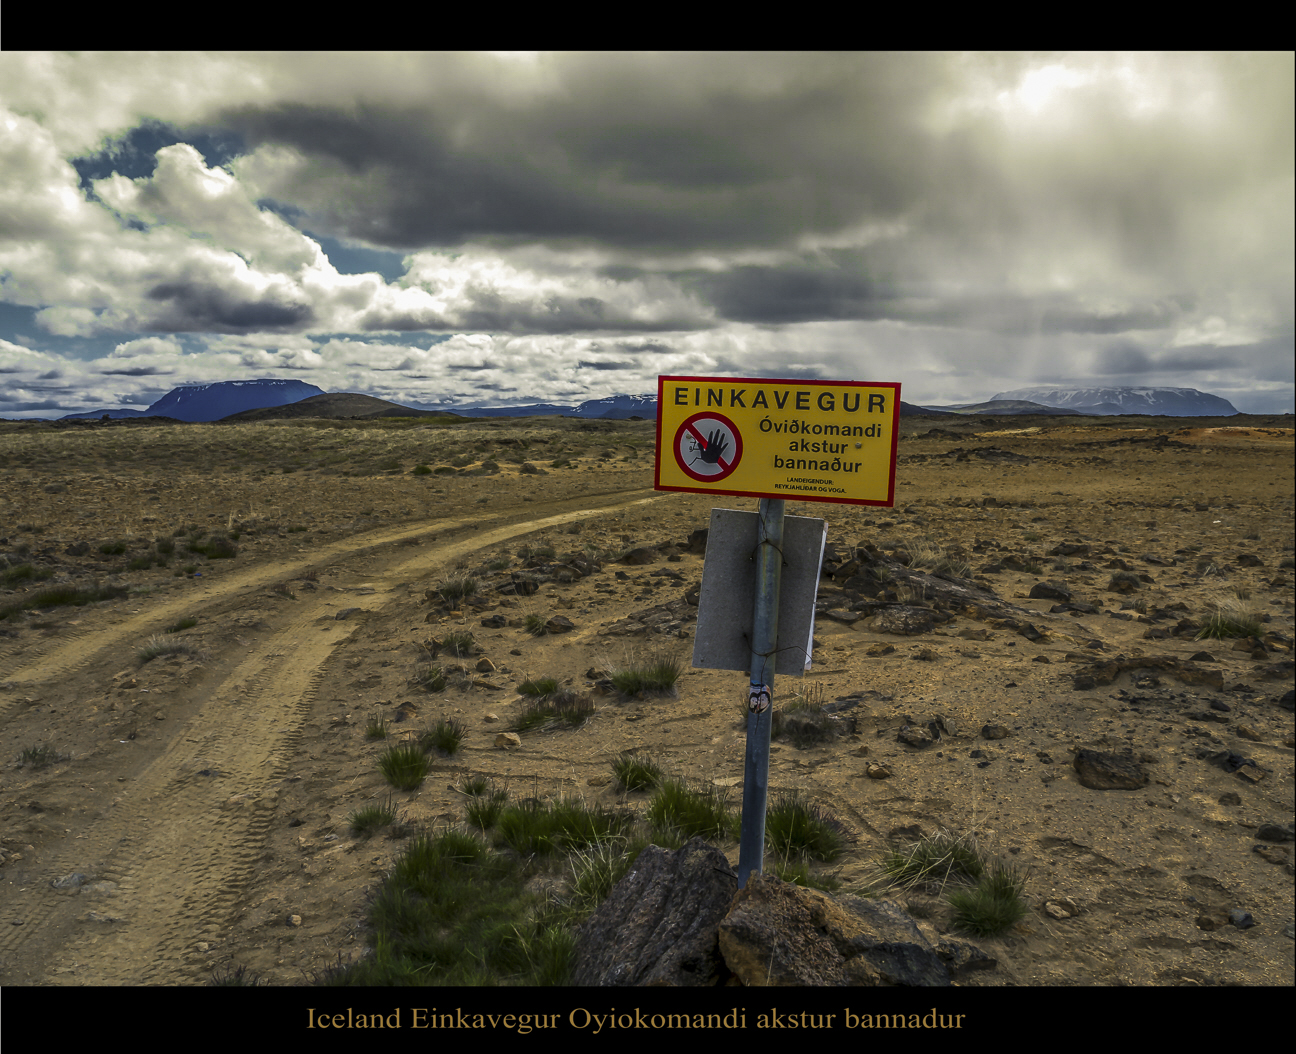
1231	618
656	676
38	757
796	828
934	860
535	828
678	810
404	766
429	677
562	707
371	818
445	736
995	905
636	773
455	589
159	645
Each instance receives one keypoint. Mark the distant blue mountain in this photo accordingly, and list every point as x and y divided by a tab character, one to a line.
211	402
97	415
614	406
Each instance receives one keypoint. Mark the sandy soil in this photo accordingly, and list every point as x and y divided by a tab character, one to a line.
196	817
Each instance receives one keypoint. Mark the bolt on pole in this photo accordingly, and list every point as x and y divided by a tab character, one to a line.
760	697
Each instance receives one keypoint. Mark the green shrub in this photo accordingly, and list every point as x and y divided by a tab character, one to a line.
370	818
446	736
934	860
538	687
994	906
677	809
536	828
429	677
636	773
659	675
796	828
421	470
60	596
12	576
563	707
184	623
376	729
38	757
113	548
484	811
597	870
457	589
404	766
460	644
1231	619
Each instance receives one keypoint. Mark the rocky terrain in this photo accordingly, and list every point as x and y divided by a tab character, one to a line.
1010	654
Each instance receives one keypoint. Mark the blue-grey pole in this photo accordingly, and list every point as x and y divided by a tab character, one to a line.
760	705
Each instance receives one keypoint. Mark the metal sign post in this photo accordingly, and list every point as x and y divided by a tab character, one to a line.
760	693
808	440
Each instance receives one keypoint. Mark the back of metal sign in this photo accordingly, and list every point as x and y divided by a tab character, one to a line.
727	602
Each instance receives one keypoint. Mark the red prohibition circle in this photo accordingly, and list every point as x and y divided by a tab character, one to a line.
691	439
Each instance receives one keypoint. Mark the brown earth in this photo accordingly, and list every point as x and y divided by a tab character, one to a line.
197	816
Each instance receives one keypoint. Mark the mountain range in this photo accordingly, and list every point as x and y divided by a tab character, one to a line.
275	398
1171	402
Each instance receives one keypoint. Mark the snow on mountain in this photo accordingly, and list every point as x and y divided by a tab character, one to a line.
1171	402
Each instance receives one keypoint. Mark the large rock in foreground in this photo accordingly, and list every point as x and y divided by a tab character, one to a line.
659	925
781	934
678	918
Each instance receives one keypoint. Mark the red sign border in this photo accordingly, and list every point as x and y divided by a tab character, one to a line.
664	379
738	445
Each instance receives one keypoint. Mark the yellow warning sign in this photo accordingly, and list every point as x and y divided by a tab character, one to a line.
761	438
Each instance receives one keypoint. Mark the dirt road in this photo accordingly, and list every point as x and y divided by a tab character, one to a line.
149	850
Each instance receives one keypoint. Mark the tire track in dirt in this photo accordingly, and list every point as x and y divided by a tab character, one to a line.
165	866
70	655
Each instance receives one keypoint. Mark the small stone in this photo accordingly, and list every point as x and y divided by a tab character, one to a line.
560	624
294	920
1230	798
508	740
490	719
1207	923
484	665
1246	732
1271	832
877	772
1241	919
995	732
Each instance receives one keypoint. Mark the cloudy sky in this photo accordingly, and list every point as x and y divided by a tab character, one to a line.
459	229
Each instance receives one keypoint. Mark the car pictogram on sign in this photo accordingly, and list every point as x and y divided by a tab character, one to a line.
708	447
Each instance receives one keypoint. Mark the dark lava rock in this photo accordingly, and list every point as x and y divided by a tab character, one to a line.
1102	771
660	923
1049	591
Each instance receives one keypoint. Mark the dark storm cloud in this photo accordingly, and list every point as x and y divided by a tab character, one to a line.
137	371
196	308
474	367
583	364
634	150
789	294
